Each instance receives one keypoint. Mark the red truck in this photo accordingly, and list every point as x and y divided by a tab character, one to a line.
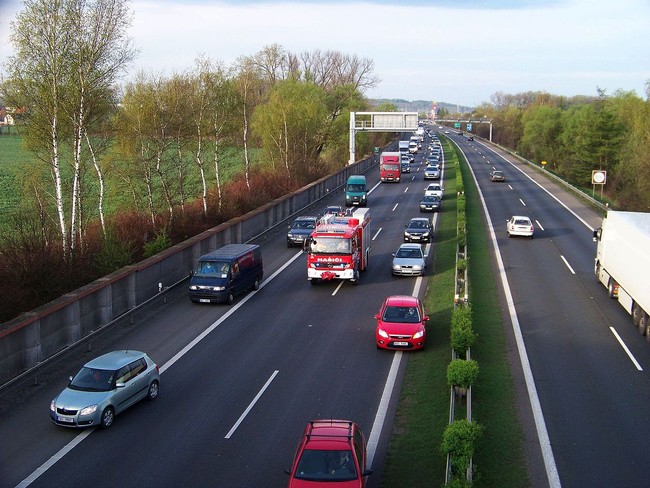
389	166
339	247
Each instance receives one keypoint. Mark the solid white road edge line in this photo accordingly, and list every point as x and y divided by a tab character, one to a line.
533	397
380	417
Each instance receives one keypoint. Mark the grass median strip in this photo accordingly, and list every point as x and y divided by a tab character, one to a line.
414	458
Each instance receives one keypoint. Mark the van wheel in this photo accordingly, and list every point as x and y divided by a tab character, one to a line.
256	285
231	298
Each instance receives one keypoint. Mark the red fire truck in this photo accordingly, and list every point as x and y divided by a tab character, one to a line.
339	247
389	166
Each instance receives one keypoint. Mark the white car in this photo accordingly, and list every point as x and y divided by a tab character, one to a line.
520	225
434	189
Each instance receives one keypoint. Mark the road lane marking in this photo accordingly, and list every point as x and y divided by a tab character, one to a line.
377	234
338	287
54	459
80	437
251	405
627	351
552	474
382	410
567	264
539	225
395	207
522	202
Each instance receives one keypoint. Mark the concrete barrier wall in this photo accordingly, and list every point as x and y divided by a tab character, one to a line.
35	336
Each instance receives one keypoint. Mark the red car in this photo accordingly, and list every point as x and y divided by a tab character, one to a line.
401	323
331	453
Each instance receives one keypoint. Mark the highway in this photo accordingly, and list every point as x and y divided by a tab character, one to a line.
238	383
588	362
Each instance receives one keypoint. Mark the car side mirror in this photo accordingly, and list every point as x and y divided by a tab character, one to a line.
287	471
119	385
426	318
377	316
367	472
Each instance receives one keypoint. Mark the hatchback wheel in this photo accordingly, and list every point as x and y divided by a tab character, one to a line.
108	415
256	285
152	394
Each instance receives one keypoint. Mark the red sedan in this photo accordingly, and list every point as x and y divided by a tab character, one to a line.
401	323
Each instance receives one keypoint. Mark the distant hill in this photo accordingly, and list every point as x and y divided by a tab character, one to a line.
420	106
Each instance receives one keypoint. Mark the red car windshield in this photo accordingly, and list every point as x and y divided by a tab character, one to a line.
325	465
402	315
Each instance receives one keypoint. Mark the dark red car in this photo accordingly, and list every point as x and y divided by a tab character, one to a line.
401	323
331	453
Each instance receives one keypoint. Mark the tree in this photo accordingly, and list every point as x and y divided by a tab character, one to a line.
542	127
68	54
291	127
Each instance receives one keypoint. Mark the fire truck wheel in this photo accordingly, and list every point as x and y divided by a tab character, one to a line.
313	281
355	281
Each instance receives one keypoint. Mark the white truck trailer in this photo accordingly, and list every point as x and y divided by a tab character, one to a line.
623	263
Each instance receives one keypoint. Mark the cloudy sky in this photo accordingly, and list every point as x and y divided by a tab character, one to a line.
455	51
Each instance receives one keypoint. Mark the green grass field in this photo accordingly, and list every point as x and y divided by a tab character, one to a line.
14	161
18	166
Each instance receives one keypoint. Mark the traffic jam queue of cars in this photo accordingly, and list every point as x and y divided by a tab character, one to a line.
330	451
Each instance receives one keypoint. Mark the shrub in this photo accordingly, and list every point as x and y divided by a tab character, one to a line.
461	265
462	372
113	254
459	440
462	338
160	243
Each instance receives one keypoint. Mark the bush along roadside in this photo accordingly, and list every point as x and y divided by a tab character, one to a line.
461	435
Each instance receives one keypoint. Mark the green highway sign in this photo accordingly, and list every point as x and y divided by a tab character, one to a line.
457	125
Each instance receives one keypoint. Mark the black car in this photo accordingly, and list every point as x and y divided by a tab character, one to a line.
301	228
430	203
418	230
405	167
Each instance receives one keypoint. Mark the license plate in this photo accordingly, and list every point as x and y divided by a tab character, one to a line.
204	300
400	343
65	419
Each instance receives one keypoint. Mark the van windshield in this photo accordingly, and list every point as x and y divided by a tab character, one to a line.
212	268
356	187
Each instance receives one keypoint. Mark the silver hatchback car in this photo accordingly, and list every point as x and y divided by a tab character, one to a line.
104	387
409	260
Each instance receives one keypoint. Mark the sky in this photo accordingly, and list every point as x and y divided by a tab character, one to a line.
454	51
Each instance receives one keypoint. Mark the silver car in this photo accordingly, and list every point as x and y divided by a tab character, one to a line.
409	260
104	387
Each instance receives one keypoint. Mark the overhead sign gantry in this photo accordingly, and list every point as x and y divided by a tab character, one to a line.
380	122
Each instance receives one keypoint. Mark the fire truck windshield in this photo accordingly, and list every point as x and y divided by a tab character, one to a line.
330	245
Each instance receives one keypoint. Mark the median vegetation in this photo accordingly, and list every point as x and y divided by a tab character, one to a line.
422	434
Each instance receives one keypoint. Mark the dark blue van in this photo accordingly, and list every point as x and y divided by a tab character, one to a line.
222	274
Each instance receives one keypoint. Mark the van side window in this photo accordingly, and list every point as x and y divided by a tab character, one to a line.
235	269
